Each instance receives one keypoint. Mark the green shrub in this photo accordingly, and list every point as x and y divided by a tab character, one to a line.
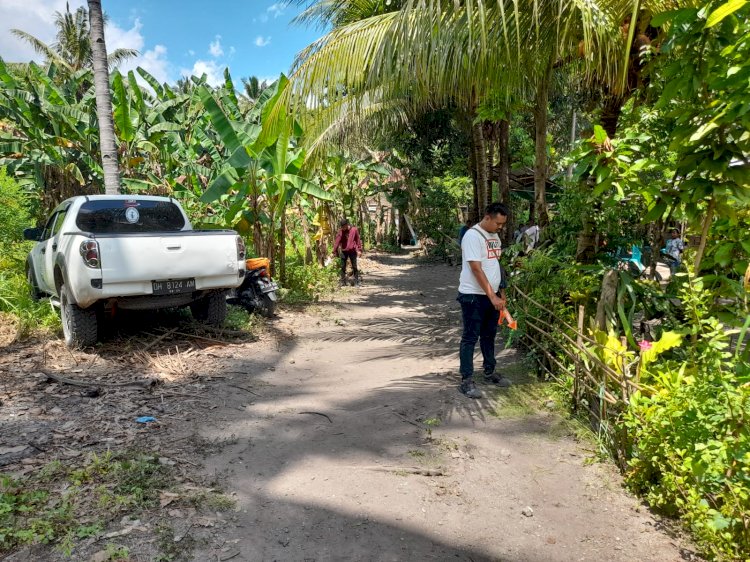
308	283
15	298
14	212
690	435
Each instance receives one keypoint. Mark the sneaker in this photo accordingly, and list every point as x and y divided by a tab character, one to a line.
499	380
469	389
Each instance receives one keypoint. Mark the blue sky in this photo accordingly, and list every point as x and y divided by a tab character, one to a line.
177	38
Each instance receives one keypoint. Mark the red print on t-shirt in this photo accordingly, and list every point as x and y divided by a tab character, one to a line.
493	248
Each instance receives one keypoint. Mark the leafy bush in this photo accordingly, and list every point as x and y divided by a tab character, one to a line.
15	298
14	213
308	283
691	438
440	199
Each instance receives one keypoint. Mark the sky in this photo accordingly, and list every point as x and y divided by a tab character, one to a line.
176	38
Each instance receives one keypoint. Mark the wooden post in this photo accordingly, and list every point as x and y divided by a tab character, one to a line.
579	344
624	342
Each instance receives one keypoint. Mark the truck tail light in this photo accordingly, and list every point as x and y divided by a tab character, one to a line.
240	249
90	254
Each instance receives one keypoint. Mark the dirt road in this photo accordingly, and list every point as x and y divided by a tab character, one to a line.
350	441
340	435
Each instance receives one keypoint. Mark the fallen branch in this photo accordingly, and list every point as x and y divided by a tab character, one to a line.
318	414
158	339
402	469
213	340
245	389
62	380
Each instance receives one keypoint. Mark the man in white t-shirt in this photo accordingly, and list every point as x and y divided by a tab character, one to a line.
481	292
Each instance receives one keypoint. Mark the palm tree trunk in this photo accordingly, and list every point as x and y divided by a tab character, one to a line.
503	179
103	100
480	151
474	208
540	164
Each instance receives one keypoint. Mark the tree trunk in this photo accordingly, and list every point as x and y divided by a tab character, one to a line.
391	232
474	207
404	236
704	234
540	140
107	140
379	222
480	151
611	110
572	141
282	246
503	180
305	235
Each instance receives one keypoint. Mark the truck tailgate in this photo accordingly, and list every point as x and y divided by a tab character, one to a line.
163	256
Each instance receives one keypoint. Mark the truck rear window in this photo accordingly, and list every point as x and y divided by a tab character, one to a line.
131	215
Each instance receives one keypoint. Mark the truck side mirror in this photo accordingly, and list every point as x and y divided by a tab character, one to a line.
34	234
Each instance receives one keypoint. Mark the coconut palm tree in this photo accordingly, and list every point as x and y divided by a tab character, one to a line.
453	52
107	140
72	49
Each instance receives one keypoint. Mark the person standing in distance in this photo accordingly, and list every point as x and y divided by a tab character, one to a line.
481	292
348	246
675	247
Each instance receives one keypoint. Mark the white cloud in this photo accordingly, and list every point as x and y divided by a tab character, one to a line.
32	16
213	71
153	61
232	50
37	17
276	9
261	41
214	48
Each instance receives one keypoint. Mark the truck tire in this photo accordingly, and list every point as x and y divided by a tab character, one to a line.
80	326
211	309
34	291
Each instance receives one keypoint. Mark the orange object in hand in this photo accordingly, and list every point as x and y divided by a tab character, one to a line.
505	315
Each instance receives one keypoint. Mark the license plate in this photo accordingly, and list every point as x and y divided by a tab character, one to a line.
268	287
173	286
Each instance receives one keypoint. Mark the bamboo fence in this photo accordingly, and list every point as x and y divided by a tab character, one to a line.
604	386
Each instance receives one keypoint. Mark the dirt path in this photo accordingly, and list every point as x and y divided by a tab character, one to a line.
349	441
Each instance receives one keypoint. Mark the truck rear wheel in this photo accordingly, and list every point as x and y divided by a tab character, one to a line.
211	309
80	327
34	291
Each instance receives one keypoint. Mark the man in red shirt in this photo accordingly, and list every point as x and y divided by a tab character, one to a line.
348	245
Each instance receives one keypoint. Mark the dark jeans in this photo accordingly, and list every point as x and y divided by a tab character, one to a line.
351	256
480	323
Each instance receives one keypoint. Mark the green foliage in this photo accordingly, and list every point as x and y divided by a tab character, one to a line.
309	283
15	298
690	437
14	211
60	504
438	217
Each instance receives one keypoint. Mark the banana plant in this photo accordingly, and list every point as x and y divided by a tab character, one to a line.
258	172
47	141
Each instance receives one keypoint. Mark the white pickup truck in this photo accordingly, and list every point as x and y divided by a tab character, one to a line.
103	252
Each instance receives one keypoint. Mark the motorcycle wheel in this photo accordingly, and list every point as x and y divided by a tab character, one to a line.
267	306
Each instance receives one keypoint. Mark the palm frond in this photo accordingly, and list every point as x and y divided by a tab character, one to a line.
41	47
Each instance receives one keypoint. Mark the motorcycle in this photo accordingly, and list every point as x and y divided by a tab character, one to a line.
257	293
